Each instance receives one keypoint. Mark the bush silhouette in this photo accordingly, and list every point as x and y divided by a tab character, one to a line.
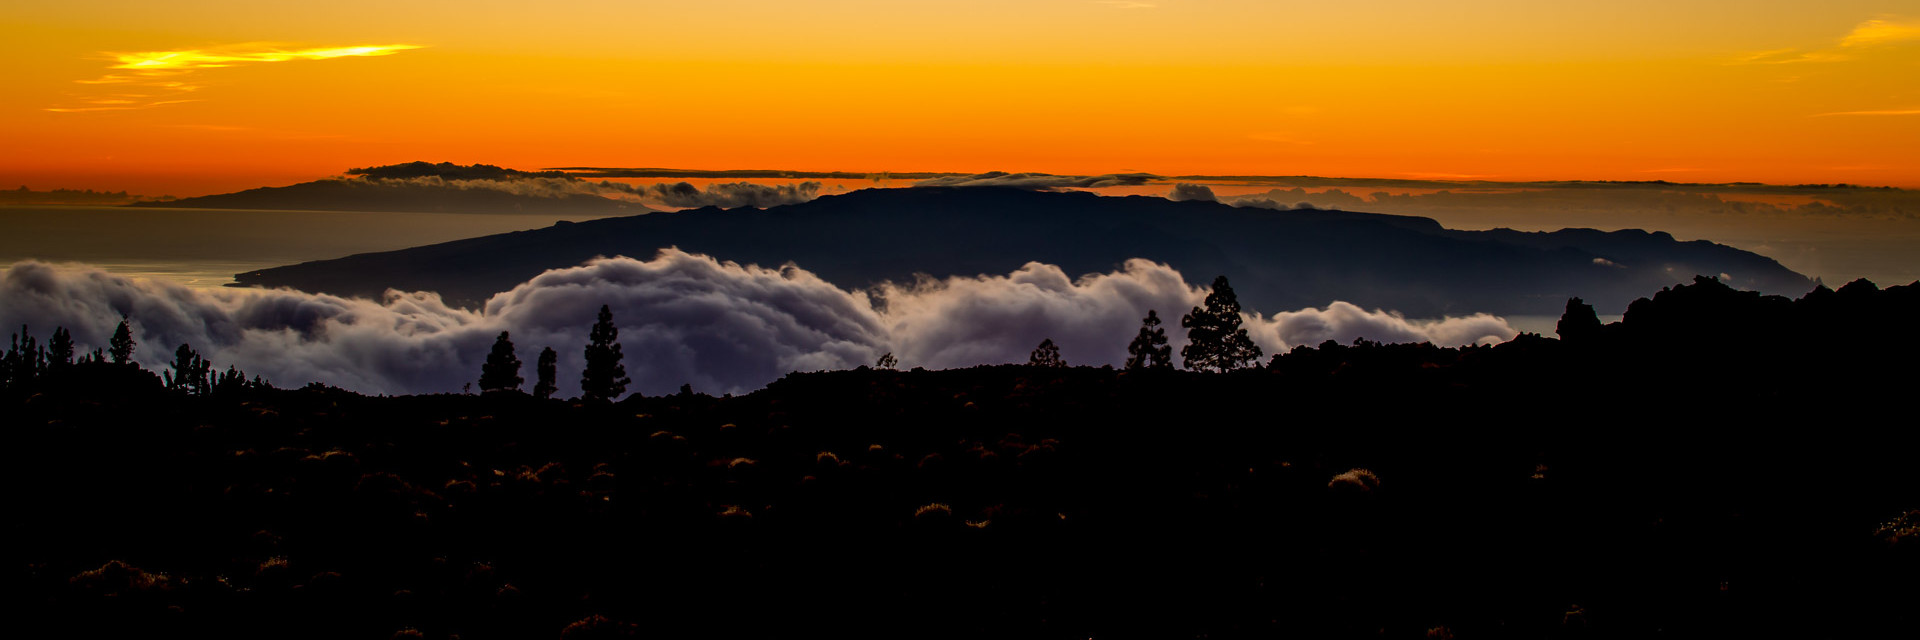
1046	355
189	372
1579	323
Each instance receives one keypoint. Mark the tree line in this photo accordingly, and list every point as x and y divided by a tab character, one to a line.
1215	343
1215	340
26	362
604	378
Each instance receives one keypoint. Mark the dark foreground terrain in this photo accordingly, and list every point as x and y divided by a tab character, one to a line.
1717	464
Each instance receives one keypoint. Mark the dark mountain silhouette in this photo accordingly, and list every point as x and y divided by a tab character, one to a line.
391	195
1278	260
450	171
23	195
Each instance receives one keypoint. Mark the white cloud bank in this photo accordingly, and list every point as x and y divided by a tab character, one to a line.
683	318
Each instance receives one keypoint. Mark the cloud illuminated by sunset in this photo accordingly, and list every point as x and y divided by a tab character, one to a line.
211	59
162	73
1867	35
1881	31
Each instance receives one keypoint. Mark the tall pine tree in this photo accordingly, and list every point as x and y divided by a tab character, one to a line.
1150	350
501	371
60	348
1215	341
121	345
604	378
543	369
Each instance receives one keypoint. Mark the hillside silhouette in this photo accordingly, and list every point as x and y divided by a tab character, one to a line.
1717	463
1279	260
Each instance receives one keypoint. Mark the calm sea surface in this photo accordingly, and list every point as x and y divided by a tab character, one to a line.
205	247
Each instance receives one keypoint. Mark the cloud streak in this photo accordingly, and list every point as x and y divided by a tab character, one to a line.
1881	31
218	58
1882	112
1619	207
683	318
1868	35
1039	181
169	72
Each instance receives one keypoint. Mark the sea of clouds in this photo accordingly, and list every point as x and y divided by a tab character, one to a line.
683	318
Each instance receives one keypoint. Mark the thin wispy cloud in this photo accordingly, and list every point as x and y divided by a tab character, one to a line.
1881	31
169	73
1881	112
216	58
117	105
1867	35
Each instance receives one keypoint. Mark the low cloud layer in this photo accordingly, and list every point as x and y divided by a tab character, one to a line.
531	187
1600	205
1039	180
732	194
683	318
1189	191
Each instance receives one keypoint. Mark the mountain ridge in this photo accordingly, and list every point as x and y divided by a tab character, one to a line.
1277	260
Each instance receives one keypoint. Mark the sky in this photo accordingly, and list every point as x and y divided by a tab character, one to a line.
195	97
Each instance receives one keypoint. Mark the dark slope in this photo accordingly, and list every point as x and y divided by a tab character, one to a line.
363	195
1718	464
1277	260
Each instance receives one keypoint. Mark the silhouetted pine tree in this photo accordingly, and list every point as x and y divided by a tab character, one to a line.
1215	341
189	372
543	369
121	345
1046	355
1150	350
25	359
232	381
60	348
886	361
604	378
501	371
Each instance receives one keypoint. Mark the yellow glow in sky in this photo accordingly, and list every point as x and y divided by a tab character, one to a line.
199	59
1705	91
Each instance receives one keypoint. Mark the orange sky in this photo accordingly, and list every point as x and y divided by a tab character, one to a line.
188	98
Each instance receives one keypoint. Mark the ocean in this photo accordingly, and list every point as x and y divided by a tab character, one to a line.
203	248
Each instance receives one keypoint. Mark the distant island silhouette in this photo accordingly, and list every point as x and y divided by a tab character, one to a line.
1279	260
355	194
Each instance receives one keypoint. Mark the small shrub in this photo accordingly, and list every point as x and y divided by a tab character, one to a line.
1359	481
